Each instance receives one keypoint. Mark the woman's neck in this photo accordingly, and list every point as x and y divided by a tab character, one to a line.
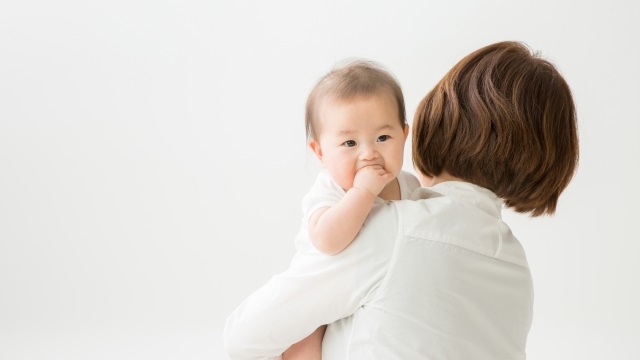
429	181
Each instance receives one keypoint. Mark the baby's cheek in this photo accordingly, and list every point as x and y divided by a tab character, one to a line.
345	179
397	165
348	180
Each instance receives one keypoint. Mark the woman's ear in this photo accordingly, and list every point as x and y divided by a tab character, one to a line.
316	148
406	131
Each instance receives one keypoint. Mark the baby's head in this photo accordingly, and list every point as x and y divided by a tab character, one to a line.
504	119
355	116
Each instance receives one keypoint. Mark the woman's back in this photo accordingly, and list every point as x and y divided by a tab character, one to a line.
458	286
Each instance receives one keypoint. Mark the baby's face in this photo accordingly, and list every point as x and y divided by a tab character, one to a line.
357	133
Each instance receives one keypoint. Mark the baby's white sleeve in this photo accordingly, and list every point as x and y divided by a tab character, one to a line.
324	192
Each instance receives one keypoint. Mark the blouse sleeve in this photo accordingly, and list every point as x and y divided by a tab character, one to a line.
316	289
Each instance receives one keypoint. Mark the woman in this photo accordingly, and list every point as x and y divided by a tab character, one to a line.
441	275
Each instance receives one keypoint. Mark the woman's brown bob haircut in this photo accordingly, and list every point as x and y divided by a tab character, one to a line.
349	80
504	119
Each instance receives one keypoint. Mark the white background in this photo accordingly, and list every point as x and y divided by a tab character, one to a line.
153	159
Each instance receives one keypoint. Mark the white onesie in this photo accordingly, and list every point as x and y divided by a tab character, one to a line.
326	192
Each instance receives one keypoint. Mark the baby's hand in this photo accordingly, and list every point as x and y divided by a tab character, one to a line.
372	178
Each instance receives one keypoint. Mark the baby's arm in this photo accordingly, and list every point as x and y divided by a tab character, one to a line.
309	348
333	228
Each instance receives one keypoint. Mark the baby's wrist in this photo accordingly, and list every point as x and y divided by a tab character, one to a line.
364	191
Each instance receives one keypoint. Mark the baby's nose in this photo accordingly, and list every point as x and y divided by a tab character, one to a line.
368	153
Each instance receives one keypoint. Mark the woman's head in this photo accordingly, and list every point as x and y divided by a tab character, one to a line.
502	118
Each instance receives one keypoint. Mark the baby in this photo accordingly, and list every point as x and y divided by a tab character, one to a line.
355	122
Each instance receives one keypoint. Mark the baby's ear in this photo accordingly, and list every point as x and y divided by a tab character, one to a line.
316	148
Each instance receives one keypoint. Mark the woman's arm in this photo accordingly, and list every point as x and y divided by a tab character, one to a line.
316	289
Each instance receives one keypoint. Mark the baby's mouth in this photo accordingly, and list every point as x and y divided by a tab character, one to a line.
372	165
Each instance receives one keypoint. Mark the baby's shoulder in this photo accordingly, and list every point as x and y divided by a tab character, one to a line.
408	183
324	192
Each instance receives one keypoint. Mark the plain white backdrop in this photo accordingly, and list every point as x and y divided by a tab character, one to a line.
153	159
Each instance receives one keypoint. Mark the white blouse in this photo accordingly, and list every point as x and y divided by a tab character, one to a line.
437	277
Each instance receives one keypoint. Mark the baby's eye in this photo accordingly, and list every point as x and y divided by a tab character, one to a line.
349	143
383	138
